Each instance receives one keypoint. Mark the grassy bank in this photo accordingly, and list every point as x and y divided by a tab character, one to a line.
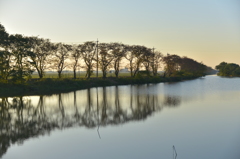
48	86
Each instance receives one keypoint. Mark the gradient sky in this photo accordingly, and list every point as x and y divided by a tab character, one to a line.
205	30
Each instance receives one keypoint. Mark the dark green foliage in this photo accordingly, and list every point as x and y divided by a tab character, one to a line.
176	66
143	73
172	64
228	69
4	54
50	86
3	36
190	67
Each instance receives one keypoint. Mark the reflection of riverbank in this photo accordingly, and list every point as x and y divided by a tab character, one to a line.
27	117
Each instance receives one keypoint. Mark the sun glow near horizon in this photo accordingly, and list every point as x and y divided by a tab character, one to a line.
206	31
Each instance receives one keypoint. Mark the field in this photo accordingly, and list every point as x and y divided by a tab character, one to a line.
79	75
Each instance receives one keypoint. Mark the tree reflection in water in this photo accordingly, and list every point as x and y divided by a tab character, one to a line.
21	118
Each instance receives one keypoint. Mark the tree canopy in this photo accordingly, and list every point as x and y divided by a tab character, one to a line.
20	56
228	69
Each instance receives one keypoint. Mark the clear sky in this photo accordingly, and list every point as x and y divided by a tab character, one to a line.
205	30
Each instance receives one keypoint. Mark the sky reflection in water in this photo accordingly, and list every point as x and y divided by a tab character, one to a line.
105	122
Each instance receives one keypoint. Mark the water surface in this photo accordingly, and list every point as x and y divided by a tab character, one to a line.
199	117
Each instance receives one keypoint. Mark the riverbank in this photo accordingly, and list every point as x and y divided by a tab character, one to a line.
50	86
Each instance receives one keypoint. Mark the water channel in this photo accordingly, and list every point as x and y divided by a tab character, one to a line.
200	118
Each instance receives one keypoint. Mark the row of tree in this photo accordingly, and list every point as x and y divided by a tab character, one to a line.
20	56
228	69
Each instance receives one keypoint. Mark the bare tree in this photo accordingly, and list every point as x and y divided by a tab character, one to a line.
155	63
41	49
171	64
130	56
135	56
76	54
19	48
5	64
118	51
88	53
60	56
105	57
147	55
5	55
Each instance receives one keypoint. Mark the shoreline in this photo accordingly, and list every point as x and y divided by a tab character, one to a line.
49	86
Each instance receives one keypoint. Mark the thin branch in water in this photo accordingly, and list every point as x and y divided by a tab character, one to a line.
98	132
174	152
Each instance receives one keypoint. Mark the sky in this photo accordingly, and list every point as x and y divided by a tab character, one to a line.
205	30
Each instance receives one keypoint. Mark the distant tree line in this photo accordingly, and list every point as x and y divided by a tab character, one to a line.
228	69
21	55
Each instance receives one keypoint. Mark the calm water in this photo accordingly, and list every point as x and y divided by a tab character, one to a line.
201	118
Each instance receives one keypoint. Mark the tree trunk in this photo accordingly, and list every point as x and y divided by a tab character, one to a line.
135	72
104	74
88	74
74	74
40	74
59	74
116	73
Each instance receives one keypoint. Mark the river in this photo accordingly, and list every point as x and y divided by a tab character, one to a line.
194	119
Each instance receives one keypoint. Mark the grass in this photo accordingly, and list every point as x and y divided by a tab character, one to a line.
48	86
79	75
